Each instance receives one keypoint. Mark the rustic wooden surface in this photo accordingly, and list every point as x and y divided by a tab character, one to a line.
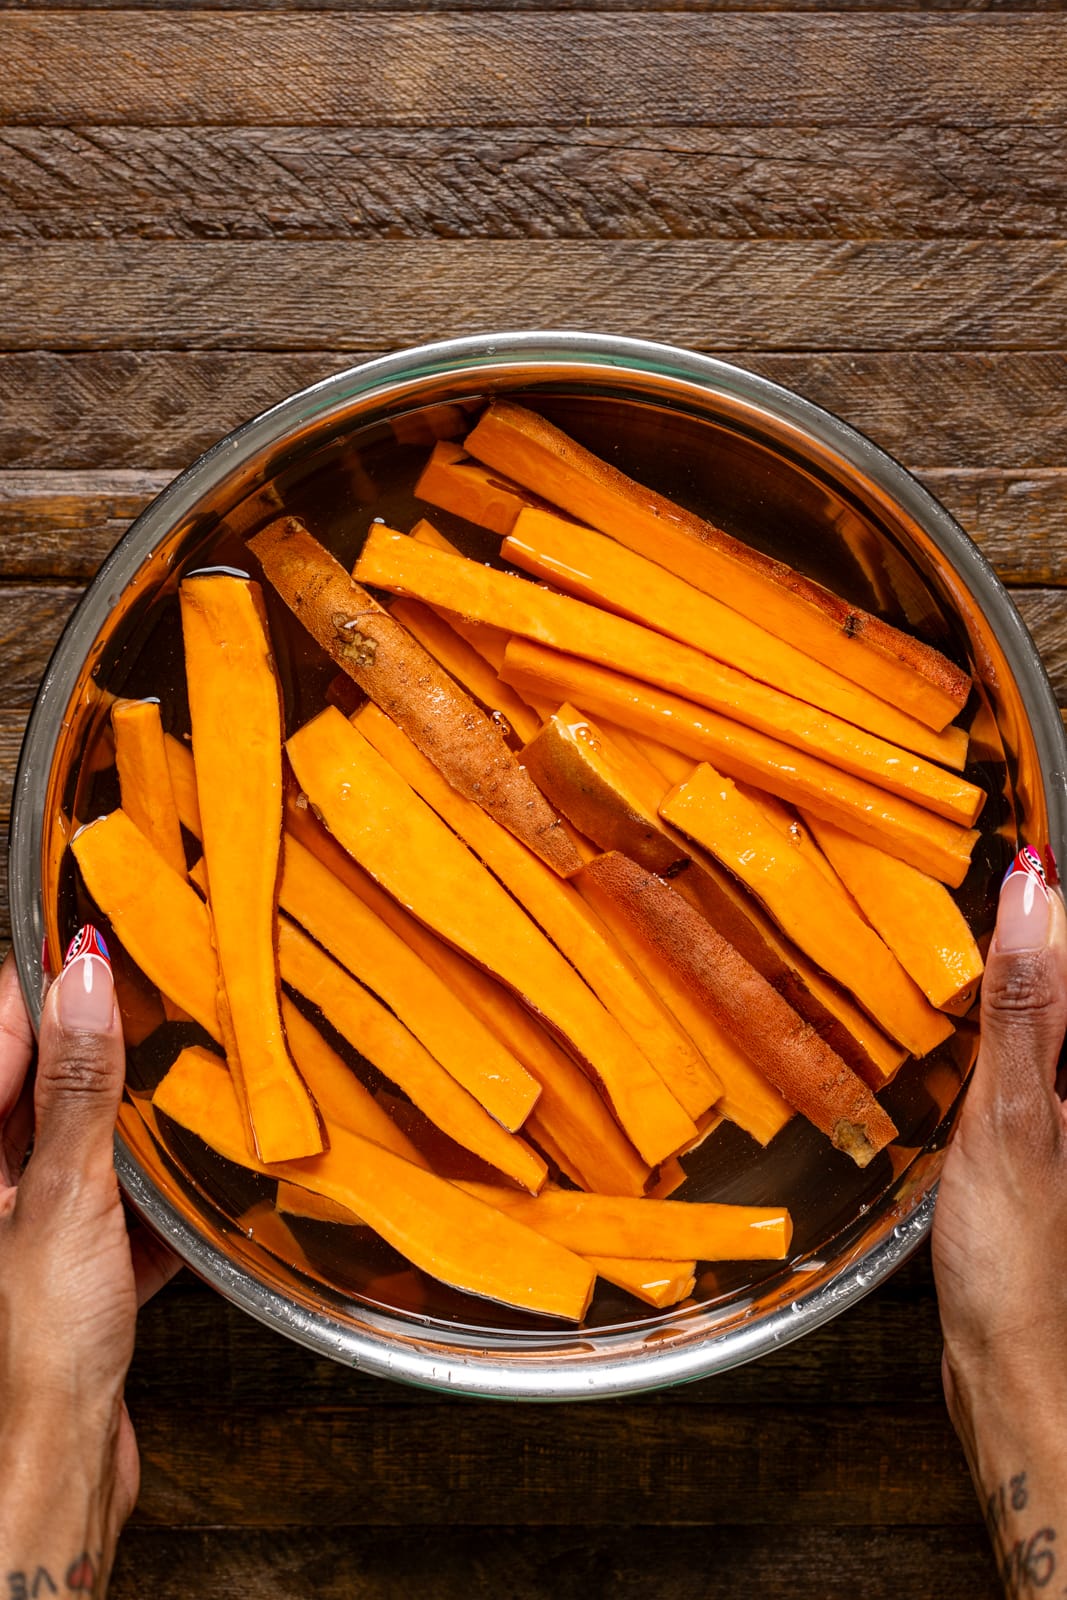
204	206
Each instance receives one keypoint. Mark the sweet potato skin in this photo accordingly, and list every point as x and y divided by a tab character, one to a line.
403	678
787	1051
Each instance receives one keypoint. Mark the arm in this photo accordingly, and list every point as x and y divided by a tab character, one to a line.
71	1278
1000	1246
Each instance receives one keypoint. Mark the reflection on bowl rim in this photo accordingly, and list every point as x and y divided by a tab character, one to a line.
669	1348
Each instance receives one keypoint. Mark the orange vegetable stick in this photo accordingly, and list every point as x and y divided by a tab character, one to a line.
144	777
559	910
599	1224
895	667
396	672
818	915
345	926
385	1042
467	666
800	1064
183	783
452	481
748	1100
423	865
449	1234
915	915
600	570
615	800
569	1109
156	913
657	1283
292	1201
898	826
402	565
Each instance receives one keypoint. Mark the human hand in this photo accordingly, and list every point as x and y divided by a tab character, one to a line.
1000	1242
71	1279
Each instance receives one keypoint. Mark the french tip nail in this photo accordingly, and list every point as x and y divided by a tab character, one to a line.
88	941
1023	914
1028	861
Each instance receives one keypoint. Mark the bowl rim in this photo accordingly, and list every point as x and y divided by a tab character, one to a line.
460	1369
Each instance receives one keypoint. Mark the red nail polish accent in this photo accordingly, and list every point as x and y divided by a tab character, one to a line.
1029	861
1052	870
86	942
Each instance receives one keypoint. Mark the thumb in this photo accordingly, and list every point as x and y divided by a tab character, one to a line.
1024	1006
81	1061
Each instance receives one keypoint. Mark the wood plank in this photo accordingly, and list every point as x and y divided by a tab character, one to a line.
1018	519
31	620
612	6
539	182
593	1464
1045	613
766	295
524	1563
12	727
161	408
372	70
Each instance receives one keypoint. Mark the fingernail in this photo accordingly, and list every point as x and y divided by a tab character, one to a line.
86	987
1023	914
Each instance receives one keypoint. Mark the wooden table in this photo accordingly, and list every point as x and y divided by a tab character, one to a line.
203	209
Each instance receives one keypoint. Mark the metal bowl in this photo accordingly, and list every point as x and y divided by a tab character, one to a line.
768	465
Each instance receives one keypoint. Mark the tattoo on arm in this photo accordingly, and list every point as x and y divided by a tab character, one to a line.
1028	1563
84	1576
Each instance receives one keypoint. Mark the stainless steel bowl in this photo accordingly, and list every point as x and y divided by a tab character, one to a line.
786	475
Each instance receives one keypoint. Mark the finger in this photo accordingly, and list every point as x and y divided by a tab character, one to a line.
1024	1007
16	1038
80	1063
154	1263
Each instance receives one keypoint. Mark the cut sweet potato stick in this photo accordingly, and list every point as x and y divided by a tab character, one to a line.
339	1094
183	784
423	865
617	799
799	1064
388	1045
898	826
449	1234
144	777
455	483
292	1201
559	910
816	914
657	1283
569	1107
597	569
403	566
658	1230
396	672
748	1100
345	926
670	764
156	913
897	668
915	915
235	712
463	661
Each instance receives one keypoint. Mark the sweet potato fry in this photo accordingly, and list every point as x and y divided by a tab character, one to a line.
144	777
466	665
815	912
455	483
895	667
560	911
403	566
915	915
427	869
345	926
235	711
569	1109
449	1234
657	1283
385	1042
800	1064
598	1224
903	829
597	569
396	672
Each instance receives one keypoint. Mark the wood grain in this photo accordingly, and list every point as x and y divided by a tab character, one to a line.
405	7
740	182
626	1563
62	525
150	409
369	70
766	295
31	620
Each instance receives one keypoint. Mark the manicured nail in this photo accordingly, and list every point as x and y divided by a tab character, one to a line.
86	987
1023	914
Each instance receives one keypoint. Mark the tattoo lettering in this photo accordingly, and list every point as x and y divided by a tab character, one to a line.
1030	1564
22	1587
1012	1496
